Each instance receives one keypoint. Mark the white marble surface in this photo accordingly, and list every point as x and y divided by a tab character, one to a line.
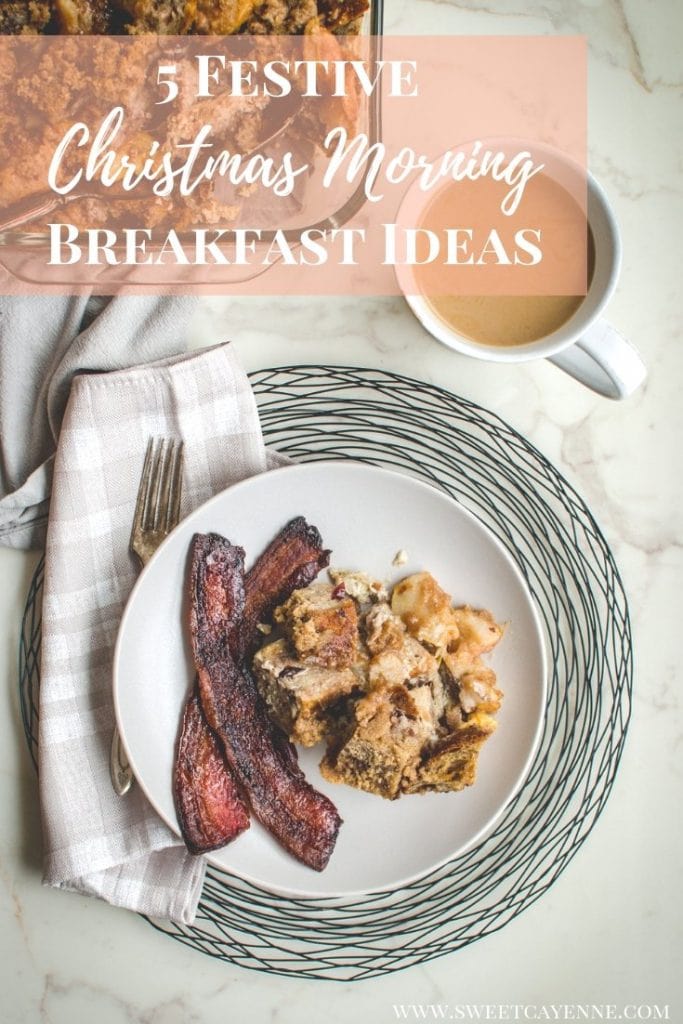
609	931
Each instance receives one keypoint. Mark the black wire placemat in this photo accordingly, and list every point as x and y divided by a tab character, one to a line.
312	413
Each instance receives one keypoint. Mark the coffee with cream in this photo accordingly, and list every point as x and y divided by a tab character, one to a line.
502	320
505	319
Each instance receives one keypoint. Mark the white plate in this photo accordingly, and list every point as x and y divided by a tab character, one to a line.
365	515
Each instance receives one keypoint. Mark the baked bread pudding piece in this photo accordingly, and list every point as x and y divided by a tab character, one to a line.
397	688
180	17
426	611
393	723
389	729
408	665
449	763
304	698
82	17
24	17
321	624
183	17
161	17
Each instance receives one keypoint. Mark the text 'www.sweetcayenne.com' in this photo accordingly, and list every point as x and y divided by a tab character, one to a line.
496	1012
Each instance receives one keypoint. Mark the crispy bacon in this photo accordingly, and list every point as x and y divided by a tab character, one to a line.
303	820
206	793
217	589
210	809
292	560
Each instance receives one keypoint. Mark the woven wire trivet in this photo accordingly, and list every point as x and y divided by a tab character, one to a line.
312	413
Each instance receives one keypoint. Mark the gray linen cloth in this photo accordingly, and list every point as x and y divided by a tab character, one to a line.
44	341
95	842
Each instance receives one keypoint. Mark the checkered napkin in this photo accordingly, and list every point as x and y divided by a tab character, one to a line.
94	841
45	340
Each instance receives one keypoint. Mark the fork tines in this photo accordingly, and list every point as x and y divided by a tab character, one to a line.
157	508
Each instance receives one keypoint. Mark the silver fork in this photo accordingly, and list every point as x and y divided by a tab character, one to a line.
157	511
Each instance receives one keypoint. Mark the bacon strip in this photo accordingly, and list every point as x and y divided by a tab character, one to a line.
292	560
303	820
210	809
217	593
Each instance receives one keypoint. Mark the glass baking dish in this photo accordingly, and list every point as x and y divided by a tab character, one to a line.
24	253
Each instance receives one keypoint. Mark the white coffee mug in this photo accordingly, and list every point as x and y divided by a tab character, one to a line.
586	346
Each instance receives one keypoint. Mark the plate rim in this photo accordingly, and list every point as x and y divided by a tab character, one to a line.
371	469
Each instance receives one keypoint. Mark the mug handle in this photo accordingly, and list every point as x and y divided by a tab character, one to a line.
603	360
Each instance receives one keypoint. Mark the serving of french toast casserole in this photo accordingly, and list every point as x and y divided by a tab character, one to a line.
393	683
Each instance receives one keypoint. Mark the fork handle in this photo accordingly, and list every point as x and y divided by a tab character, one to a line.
120	771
